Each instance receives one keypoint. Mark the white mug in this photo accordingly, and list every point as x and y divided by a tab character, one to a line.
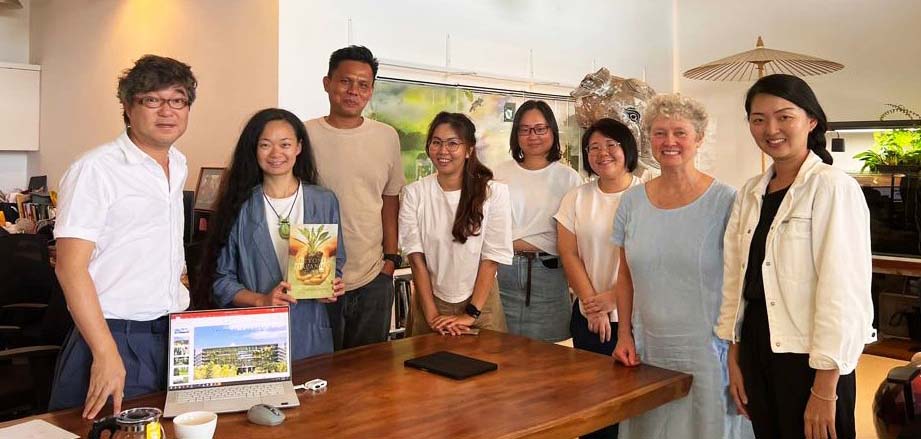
195	425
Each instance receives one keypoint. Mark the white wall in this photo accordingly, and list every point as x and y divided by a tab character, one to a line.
568	38
83	45
14	34
14	47
878	42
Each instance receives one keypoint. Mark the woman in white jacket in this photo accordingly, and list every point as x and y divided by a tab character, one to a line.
796	288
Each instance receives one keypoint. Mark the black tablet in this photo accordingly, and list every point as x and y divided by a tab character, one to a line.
451	365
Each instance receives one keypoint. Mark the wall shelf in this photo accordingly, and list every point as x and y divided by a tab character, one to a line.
874	125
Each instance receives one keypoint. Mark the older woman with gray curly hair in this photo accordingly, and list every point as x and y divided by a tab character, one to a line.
669	233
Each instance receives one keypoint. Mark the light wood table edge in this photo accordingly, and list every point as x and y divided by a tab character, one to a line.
592	419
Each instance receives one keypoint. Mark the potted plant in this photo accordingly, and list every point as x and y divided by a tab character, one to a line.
897	150
893	151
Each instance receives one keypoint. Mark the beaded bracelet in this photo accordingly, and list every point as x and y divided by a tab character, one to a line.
812	391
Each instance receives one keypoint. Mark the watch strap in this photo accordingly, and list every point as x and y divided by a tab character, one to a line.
395	258
472	311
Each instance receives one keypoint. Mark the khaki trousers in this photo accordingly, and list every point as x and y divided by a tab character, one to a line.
491	316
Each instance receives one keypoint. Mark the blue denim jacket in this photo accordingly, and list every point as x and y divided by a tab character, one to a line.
249	261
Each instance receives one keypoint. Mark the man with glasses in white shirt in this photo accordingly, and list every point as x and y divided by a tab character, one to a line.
119	244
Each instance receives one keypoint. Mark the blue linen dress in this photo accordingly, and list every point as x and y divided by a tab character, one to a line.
675	258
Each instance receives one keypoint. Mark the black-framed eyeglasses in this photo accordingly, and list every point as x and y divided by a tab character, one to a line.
540	130
610	147
154	102
452	145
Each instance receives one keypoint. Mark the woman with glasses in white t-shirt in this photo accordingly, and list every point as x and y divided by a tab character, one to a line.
533	288
455	227
584	223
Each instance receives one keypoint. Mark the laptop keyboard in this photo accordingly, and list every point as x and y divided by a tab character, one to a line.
231	392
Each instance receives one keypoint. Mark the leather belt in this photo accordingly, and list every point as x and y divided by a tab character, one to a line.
531	256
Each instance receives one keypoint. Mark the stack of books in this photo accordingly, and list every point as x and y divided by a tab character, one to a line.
36	206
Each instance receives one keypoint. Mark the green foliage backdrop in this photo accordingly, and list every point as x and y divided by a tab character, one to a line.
410	107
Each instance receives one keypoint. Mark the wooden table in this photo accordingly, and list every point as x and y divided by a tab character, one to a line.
541	390
897	265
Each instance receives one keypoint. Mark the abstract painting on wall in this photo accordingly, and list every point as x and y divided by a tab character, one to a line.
410	106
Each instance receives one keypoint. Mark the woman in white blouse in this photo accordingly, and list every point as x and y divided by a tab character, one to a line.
583	235
455	227
533	288
584	228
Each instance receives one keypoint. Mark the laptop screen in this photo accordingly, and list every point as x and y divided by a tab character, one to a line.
229	346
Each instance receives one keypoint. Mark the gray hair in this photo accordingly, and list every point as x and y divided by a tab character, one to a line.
679	106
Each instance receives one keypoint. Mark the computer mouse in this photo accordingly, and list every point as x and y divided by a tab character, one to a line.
264	414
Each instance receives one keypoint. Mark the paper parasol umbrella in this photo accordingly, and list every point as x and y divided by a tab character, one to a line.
760	61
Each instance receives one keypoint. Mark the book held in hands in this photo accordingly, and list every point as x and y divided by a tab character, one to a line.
312	260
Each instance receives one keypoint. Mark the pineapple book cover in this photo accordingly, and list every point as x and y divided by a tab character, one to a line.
312	260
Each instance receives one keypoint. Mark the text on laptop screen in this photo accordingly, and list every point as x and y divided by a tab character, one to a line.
231	346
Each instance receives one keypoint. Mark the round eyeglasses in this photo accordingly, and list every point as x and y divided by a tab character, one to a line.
609	147
452	145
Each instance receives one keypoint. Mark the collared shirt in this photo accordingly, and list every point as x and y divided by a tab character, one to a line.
816	271
426	219
118	197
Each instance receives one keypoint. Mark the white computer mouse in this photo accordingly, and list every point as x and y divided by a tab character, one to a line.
264	414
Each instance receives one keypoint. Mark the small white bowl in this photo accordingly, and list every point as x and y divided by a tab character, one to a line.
195	425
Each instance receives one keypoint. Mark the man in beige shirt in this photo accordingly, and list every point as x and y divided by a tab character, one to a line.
359	160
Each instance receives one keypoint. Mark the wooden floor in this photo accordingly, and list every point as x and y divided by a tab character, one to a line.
871	370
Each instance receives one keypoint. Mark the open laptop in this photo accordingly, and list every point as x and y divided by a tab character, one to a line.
229	360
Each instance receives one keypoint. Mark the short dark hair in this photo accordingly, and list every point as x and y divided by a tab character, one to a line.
555	153
152	73
353	53
615	130
797	91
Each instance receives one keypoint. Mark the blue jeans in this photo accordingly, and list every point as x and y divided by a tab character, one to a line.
362	316
142	347
546	316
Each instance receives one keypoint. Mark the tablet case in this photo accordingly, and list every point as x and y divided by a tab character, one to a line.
451	365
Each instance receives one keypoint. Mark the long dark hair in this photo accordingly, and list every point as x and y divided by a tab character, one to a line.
474	185
797	91
555	152
237	185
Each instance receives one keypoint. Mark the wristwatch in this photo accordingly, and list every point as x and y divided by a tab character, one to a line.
472	311
395	258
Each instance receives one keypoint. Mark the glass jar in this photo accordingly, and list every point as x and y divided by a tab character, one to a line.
137	423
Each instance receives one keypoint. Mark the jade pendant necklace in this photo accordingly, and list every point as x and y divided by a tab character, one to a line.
284	224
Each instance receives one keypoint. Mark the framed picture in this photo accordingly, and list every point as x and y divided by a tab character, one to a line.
209	183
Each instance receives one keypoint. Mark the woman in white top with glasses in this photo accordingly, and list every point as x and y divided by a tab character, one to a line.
584	230
455	227
533	288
